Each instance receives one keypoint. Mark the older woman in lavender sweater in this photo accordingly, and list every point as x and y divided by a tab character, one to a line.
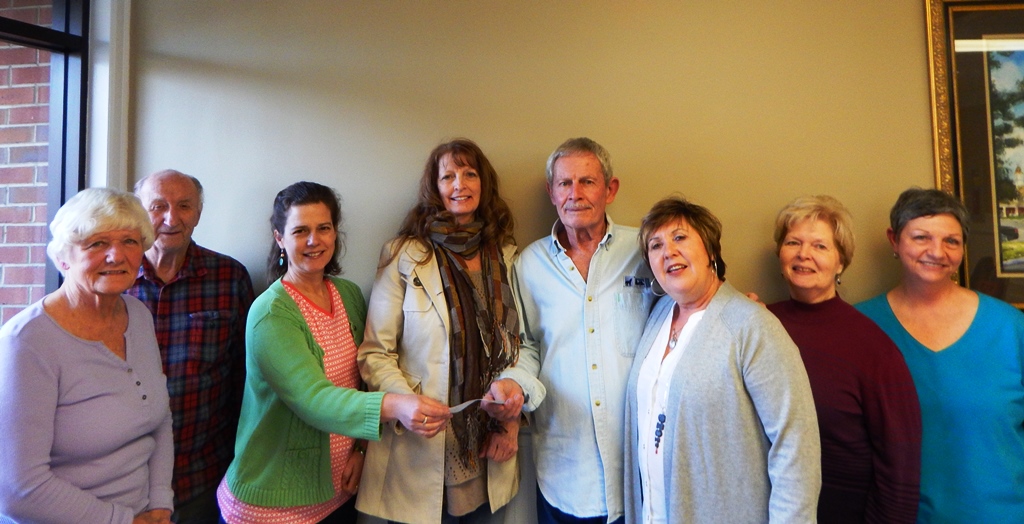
84	409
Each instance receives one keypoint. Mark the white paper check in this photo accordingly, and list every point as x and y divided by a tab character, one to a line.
466	404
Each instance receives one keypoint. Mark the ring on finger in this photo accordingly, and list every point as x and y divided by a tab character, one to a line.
424	420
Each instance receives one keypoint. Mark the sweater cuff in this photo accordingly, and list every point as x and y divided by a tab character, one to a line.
371	420
161	498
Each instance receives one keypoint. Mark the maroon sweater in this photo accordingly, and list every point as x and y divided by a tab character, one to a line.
868	414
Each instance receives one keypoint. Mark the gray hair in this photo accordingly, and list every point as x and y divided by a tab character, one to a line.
581	146
96	210
916	202
171	172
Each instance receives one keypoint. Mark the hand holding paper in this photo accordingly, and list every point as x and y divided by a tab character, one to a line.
504	400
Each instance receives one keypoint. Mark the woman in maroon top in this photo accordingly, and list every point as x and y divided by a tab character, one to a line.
868	413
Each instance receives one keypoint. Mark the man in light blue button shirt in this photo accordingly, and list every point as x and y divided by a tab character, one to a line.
585	294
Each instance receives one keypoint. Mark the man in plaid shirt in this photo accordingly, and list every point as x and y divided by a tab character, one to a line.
199	300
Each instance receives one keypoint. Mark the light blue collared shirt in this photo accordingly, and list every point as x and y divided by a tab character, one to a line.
579	338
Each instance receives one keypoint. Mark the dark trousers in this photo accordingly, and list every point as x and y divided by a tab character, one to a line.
202	509
346	514
481	514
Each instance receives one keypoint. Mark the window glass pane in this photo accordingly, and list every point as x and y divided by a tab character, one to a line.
24	137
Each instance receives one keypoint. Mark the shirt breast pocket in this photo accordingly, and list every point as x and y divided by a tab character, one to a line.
636	300
633	306
209	334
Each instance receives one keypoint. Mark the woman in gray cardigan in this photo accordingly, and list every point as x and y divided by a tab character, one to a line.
720	420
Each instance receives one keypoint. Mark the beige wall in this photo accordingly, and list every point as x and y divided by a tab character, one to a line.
739	105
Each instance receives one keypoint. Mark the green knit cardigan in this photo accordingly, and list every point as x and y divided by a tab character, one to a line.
282	449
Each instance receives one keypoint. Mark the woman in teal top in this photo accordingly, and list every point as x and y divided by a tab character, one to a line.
965	352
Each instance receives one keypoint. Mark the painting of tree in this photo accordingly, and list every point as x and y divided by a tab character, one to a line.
1006	103
1005	71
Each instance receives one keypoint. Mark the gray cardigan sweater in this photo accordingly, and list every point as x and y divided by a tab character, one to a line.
741	439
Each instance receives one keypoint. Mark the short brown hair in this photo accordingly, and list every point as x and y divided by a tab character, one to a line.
705	223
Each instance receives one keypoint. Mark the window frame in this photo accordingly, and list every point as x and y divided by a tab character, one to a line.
68	42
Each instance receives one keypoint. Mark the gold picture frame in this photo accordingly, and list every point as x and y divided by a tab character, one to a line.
974	46
938	74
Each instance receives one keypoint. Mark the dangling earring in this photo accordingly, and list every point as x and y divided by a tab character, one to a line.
280	259
714	263
838	280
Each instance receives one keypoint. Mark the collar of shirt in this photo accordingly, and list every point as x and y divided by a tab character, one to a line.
188	267
556	246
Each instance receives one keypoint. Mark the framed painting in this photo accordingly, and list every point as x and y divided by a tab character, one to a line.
977	80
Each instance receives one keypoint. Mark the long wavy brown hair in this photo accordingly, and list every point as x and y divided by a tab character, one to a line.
492	211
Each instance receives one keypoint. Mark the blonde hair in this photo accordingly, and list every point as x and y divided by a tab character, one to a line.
818	207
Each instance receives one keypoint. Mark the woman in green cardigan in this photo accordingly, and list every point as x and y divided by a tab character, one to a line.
298	456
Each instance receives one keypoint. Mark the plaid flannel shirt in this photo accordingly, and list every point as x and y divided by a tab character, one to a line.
200	327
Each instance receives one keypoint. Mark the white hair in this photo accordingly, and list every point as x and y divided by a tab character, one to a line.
96	210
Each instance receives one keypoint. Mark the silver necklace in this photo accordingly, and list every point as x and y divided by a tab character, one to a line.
673	338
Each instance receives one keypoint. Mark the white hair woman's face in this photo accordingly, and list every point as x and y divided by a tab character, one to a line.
92	212
105	263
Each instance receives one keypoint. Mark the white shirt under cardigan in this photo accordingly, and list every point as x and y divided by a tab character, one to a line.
579	337
652	398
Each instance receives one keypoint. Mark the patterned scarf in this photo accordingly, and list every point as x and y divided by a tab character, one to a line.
484	336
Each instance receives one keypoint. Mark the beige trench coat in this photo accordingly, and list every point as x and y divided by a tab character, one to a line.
405	350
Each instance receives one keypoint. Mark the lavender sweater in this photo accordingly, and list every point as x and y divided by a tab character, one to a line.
86	436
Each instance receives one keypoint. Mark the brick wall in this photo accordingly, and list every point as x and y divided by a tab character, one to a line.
24	117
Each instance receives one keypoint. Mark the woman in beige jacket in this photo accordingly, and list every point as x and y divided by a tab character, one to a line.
442	322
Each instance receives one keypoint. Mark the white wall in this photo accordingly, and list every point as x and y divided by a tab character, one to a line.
739	105
108	93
